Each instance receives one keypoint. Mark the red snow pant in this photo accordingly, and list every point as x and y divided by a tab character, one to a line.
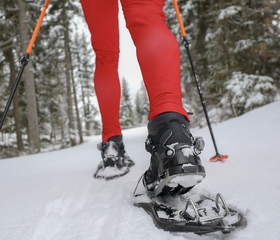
157	53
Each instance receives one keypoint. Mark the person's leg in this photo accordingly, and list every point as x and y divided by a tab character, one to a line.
175	166
102	20
158	54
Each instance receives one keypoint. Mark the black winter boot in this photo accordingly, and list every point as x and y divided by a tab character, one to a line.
175	166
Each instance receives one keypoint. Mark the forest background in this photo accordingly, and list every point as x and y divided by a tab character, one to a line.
235	46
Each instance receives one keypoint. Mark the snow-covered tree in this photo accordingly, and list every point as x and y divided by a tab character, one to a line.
226	37
247	91
84	67
57	62
8	69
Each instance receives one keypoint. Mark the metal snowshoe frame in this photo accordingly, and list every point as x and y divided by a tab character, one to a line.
204	220
101	168
184	221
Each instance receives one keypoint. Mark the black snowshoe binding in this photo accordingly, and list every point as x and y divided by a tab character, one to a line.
115	161
175	166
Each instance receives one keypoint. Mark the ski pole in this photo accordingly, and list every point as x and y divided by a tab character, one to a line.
24	61
218	156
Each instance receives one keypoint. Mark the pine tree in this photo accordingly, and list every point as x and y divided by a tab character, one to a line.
227	37
126	109
58	42
7	40
62	72
142	106
84	67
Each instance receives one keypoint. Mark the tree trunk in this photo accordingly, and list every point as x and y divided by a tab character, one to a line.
32	114
10	58
244	18
86	110
68	77
76	106
226	55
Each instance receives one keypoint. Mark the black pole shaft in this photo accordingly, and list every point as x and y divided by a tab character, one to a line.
24	62
186	43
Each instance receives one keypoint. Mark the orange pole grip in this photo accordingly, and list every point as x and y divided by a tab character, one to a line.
183	32
37	28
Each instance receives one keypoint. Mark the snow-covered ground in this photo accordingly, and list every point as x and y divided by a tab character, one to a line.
53	196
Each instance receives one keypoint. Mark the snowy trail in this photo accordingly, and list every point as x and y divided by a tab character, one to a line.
251	177
53	196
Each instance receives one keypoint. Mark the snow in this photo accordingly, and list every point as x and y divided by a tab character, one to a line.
186	181
187	151
229	11
243	44
211	35
53	196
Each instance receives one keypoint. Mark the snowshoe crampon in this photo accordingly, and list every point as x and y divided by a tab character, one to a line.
205	215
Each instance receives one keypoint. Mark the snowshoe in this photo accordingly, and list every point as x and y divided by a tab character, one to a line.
196	214
175	166
115	161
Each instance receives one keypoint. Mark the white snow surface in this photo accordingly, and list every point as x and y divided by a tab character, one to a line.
53	196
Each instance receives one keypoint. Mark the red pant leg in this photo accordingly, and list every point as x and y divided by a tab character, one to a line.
158	54
102	20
